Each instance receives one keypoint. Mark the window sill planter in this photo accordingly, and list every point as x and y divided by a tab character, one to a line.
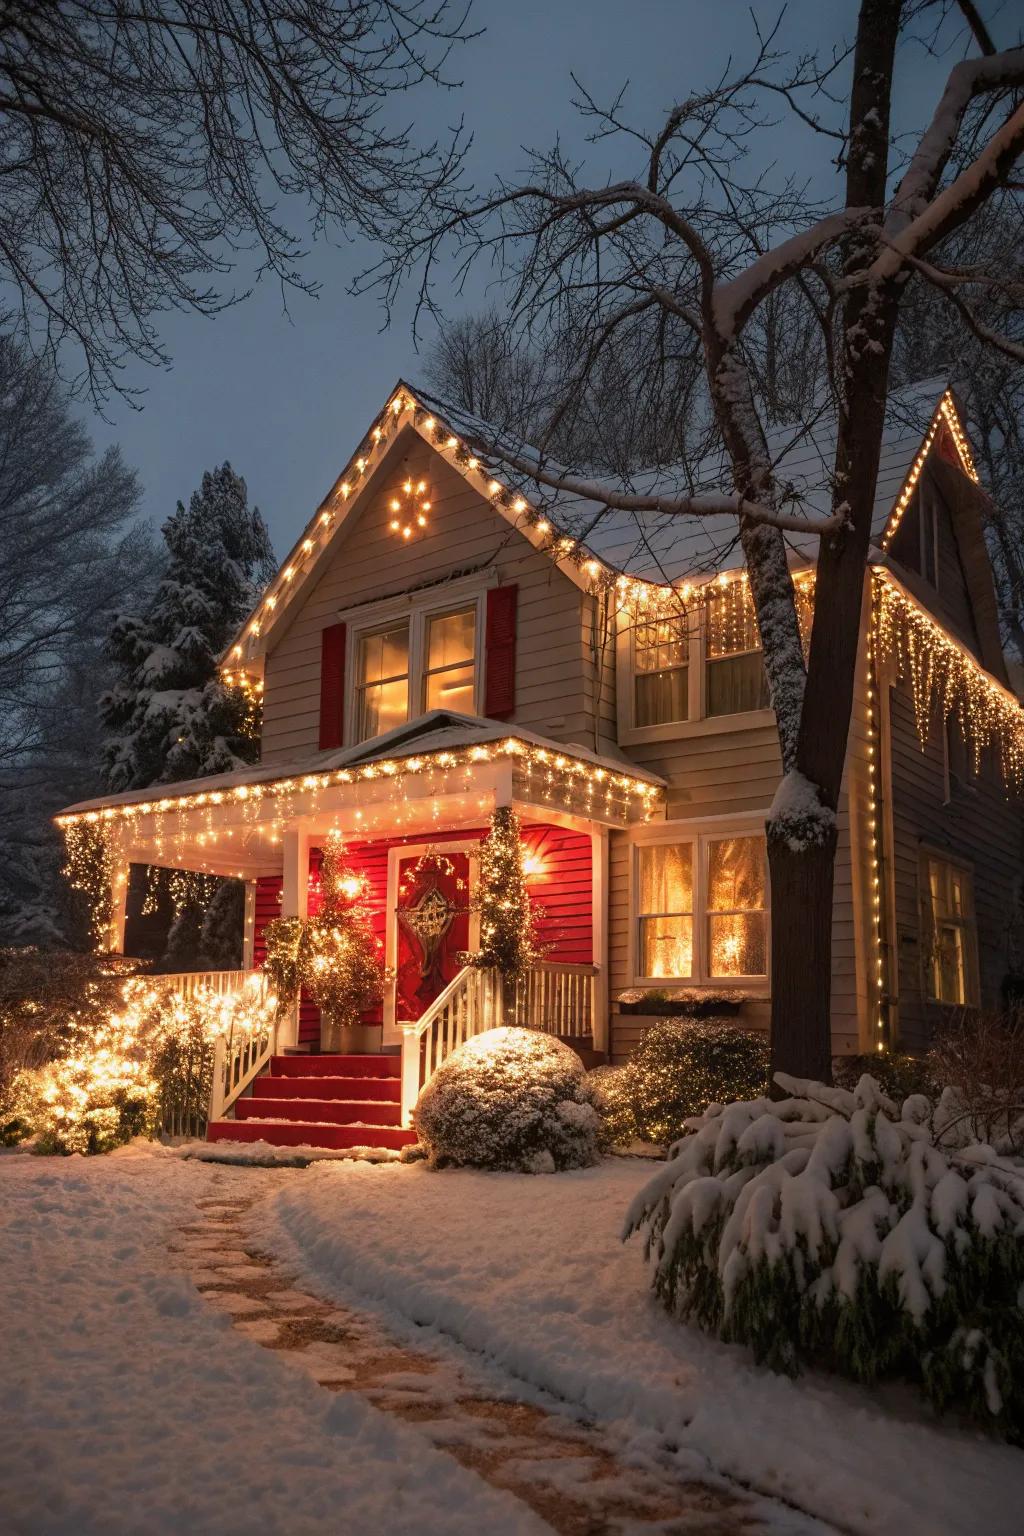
694	1005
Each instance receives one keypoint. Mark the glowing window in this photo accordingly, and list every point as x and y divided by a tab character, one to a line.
952	933
665	905
450	673
737	920
382	682
661	656
734	665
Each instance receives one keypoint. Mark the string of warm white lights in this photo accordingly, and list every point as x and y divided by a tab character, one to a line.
879	1011
589	779
944	673
945	415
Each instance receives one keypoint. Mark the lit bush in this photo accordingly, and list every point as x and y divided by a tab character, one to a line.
831	1228
679	1068
514	1099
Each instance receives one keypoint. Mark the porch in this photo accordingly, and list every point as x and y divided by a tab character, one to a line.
424	793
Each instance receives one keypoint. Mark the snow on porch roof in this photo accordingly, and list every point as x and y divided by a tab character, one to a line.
665	548
429	737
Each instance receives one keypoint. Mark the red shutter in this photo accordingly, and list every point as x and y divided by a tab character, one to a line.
332	686
500	662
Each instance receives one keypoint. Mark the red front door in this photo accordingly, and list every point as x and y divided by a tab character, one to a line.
432	921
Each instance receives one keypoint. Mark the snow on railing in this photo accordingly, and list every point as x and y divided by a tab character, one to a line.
558	999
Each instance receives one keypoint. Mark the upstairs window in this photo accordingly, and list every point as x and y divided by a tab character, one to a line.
450	675
734	665
382	680
952	941
661	655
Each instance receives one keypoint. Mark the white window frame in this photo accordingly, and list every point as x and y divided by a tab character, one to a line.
700	723
700	834
363	622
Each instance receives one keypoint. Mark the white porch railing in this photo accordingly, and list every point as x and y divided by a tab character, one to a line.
558	999
187	983
237	1059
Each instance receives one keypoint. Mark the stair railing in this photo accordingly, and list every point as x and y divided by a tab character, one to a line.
469	1004
238	1058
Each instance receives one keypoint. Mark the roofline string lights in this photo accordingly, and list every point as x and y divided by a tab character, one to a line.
945	415
554	767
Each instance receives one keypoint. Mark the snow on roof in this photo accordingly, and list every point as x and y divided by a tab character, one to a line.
666	548
438	730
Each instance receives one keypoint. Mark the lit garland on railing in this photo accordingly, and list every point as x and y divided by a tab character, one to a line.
942	671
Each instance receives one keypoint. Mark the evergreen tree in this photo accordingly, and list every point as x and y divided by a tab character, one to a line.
169	717
508	921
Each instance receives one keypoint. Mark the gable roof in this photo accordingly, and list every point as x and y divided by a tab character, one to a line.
586	540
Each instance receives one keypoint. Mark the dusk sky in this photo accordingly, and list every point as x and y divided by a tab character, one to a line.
286	397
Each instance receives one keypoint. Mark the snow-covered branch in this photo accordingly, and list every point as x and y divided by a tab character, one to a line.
733	302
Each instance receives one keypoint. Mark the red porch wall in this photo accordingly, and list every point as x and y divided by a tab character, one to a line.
561	885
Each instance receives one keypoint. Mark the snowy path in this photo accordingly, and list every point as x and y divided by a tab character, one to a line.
569	1472
528	1274
130	1407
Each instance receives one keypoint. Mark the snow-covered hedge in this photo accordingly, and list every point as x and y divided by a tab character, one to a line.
830	1228
679	1068
512	1099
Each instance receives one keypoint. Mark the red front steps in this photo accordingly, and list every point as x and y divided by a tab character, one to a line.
321	1101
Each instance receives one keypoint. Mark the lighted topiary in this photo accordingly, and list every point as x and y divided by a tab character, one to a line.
509	942
514	1099
832	1229
679	1068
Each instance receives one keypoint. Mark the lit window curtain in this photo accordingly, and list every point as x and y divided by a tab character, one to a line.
660	658
665	906
736	916
736	679
383	680
451	644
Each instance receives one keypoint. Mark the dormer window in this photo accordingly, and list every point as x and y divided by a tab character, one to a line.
423	656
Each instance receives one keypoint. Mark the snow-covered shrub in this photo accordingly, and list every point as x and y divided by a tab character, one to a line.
510	1098
978	1061
830	1228
610	1086
679	1068
896	1073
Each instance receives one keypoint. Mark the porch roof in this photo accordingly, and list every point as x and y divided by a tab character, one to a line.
442	769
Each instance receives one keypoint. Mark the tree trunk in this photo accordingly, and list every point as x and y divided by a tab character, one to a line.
801	968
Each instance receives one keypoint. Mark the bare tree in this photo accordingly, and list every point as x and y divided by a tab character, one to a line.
691	241
147	142
70	553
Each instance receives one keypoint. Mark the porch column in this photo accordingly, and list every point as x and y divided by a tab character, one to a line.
599	921
294	903
118	904
249	927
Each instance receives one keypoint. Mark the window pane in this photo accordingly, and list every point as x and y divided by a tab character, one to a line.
662	697
385	654
666	879
384	705
451	690
661	643
666	946
450	638
736	944
736	874
737	684
730	623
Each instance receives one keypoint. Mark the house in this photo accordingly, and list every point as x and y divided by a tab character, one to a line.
448	636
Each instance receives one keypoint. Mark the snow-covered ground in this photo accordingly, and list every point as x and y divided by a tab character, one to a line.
530	1272
129	1405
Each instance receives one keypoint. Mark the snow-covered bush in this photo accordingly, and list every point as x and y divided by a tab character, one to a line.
510	1098
679	1068
896	1073
830	1228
